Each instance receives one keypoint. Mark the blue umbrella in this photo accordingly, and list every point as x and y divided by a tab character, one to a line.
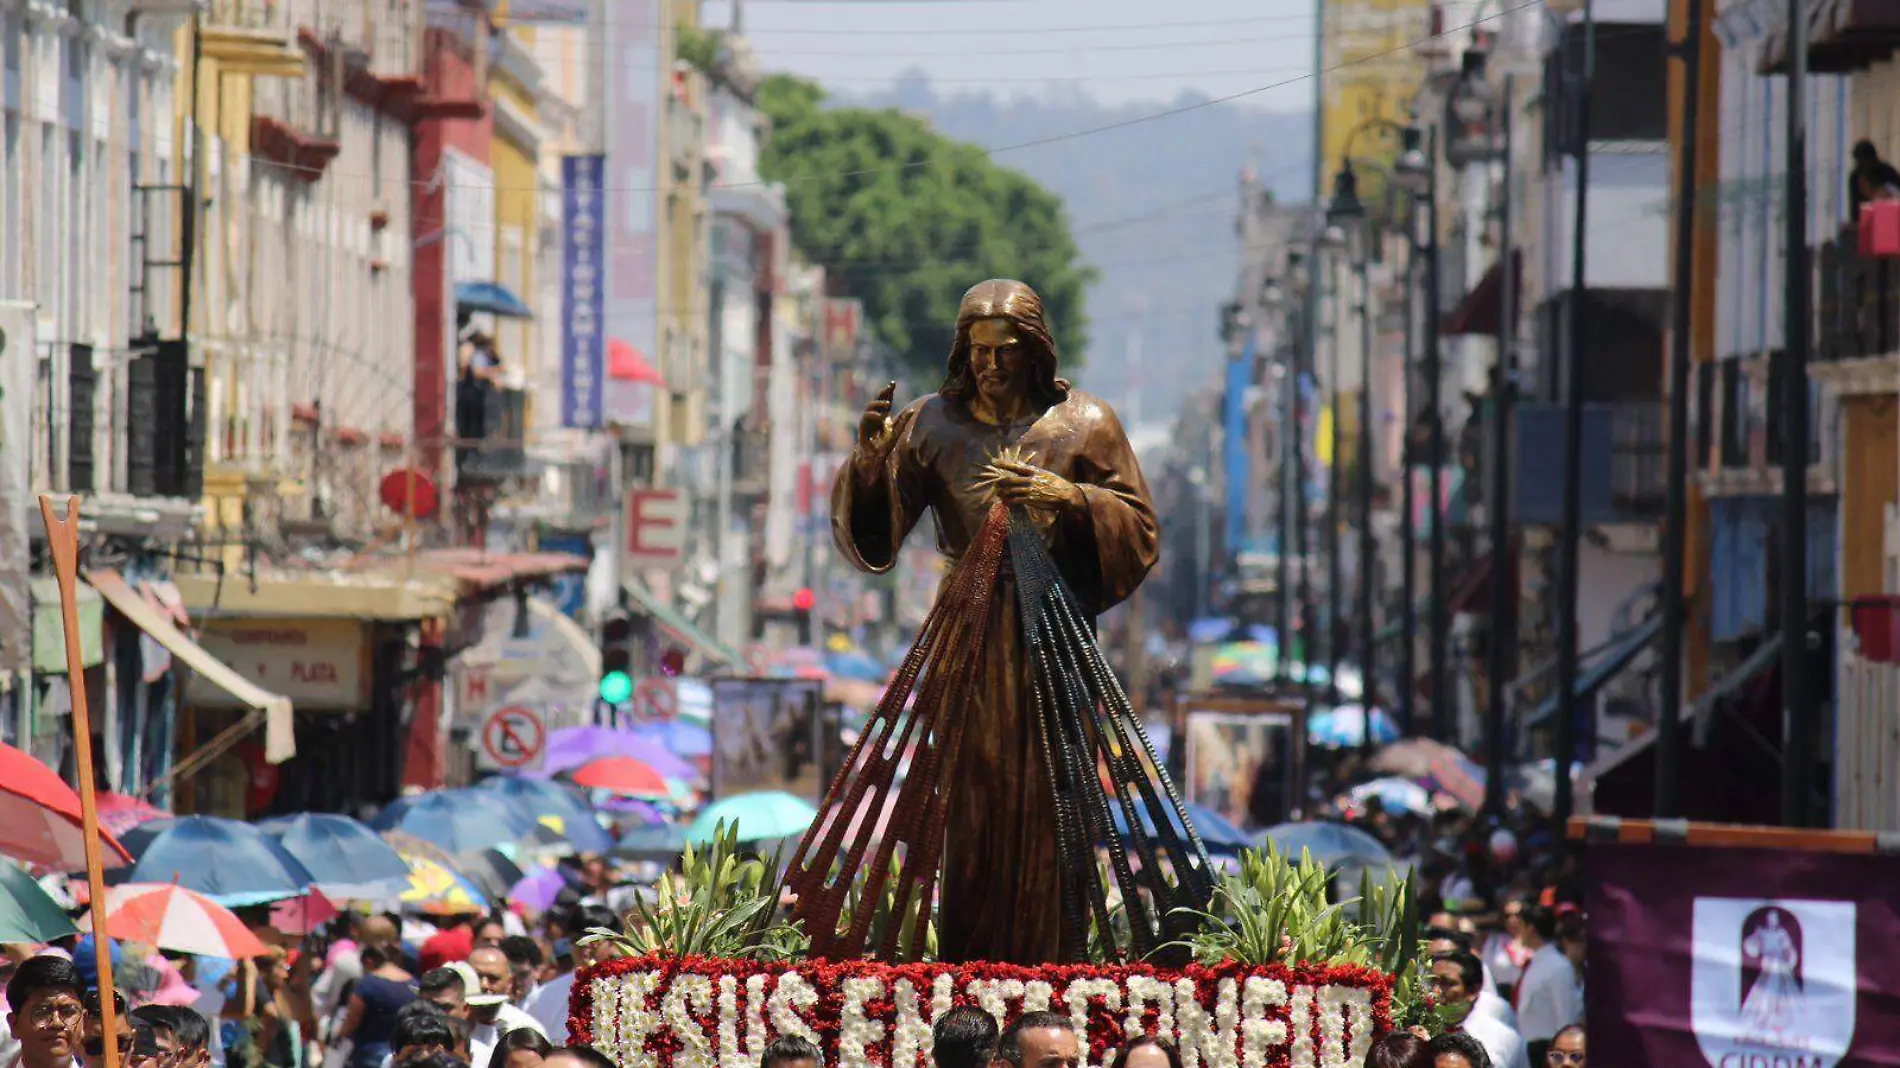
492	298
758	817
458	821
1395	795
679	737
860	666
1332	844
1209	630
1216	831
546	800
352	863
232	863
1345	727
663	840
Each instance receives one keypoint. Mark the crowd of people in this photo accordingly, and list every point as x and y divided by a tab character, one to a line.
1505	930
362	991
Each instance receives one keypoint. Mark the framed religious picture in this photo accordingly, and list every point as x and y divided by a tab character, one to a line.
765	736
1245	757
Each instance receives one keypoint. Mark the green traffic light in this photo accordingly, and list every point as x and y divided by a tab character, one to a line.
615	687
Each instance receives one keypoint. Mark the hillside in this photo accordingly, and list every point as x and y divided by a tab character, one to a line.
1153	209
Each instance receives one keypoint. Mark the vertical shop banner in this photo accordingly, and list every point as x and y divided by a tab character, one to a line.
1743	957
633	67
766	737
583	292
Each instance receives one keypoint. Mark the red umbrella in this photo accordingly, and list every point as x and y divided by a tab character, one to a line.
623	775
39	817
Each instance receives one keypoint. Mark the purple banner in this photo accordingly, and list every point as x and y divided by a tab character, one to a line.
1743	958
583	293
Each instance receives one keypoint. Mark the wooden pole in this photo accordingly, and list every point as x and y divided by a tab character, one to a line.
62	537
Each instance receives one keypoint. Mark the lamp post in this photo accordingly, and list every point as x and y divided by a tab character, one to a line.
1346	210
1272	300
1301	275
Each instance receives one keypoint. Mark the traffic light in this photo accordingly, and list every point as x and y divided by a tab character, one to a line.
616	662
802	603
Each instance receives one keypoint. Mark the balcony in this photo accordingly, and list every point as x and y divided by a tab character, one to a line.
1624	447
252	37
1857	305
491	433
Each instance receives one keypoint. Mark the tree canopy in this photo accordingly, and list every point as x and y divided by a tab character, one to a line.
906	219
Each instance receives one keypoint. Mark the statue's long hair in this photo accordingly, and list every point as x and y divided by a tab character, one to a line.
1003	298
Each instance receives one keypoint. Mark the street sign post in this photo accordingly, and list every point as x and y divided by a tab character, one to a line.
513	737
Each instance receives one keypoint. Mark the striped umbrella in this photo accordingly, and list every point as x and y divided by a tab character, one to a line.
171	917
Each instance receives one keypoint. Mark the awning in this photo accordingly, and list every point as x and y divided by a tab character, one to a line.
280	738
377	596
679	627
1483	307
1617	656
1696	713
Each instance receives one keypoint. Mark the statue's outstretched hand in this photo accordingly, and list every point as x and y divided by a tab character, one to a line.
1018	482
874	427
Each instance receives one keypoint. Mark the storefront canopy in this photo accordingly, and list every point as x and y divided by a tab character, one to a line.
1617	655
280	740
670	621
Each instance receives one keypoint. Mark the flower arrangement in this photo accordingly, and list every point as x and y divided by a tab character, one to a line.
1282	977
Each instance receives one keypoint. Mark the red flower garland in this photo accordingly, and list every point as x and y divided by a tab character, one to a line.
827	978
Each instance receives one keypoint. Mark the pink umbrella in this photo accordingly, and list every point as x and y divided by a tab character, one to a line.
183	921
119	813
302	915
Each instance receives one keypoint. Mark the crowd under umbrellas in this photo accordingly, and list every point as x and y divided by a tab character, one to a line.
320	938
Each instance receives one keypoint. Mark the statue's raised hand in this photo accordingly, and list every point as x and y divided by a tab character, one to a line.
874	427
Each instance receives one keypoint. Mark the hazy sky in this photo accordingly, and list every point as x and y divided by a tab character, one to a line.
1117	51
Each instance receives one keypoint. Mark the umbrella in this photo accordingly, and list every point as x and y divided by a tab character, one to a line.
1411	758
1211	629
459	821
491	872
758	816
1345	727
622	775
436	883
634	808
1245	663
39	816
492	298
1394	795
171	917
1216	831
557	806
860	666
119	813
678	736
1537	783
353	863
304	915
571	747
666	840
232	863
28	914
539	889
1332	844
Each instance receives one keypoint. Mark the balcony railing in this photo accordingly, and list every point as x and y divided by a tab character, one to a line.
1858	304
491	430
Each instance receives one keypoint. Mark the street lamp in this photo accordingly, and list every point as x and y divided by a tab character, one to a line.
1302	280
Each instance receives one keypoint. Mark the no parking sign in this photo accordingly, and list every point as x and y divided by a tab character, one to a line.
513	737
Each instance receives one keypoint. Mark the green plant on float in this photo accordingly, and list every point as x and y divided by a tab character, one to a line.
723	902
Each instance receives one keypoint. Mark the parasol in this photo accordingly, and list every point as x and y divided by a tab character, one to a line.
171	917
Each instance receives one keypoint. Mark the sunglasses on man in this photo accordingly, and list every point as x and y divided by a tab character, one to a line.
1561	1058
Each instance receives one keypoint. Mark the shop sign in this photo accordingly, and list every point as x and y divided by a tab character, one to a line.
317	663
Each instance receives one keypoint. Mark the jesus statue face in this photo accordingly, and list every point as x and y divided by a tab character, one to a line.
998	362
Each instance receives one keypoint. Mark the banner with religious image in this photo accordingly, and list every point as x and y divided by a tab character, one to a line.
1740	957
766	736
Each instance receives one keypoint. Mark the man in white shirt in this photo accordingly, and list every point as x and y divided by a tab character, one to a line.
1456	982
1489	1002
489	1014
1548	997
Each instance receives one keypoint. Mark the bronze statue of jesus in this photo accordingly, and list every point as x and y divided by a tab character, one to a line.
1001	426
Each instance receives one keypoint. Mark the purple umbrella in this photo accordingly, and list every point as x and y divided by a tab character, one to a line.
645	811
571	747
538	889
